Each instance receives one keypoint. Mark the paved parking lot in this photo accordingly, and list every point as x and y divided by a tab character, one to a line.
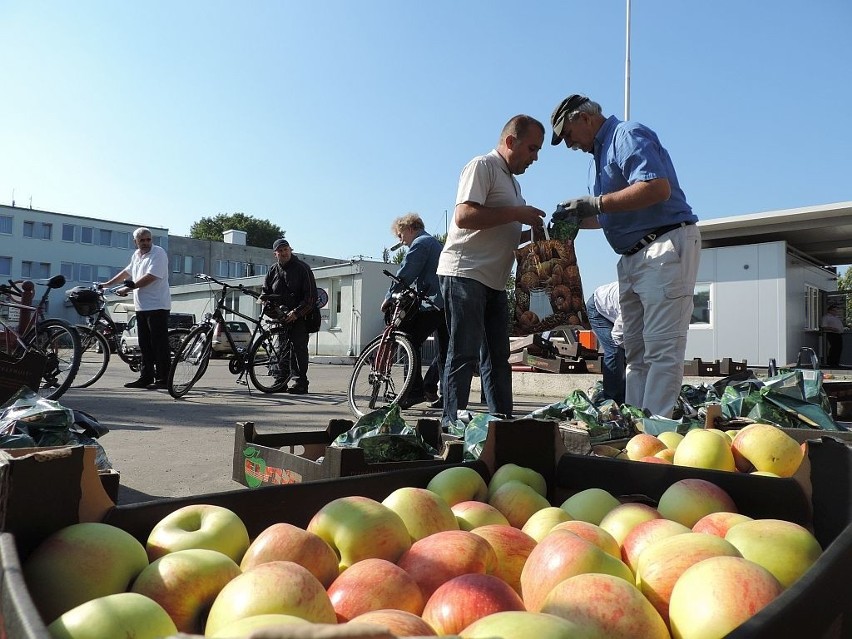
169	448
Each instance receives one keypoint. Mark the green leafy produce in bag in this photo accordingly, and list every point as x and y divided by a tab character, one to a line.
385	437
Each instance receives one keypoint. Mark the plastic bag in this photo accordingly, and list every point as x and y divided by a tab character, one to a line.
385	437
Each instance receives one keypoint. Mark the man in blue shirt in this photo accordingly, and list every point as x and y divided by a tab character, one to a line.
419	269
646	219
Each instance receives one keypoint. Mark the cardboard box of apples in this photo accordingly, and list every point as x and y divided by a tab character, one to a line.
496	549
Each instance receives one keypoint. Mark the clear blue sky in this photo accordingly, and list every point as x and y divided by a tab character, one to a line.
331	118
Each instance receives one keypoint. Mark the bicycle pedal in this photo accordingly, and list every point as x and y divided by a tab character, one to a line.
242	381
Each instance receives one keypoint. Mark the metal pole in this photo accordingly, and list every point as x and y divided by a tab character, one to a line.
627	68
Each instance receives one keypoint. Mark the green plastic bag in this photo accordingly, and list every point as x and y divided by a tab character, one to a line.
385	437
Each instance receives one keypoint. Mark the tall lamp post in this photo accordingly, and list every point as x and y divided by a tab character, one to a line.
627	67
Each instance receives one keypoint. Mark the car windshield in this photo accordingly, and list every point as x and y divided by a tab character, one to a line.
238	327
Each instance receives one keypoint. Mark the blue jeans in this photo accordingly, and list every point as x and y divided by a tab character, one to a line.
613	356
478	320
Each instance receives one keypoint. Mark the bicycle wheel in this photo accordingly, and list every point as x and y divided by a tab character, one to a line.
60	343
190	361
269	362
94	358
370	388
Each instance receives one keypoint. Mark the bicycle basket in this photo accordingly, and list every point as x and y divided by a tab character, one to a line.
84	300
274	311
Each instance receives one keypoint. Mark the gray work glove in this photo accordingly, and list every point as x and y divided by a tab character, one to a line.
580	207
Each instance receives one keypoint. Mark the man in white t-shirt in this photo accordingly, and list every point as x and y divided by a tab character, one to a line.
147	276
476	262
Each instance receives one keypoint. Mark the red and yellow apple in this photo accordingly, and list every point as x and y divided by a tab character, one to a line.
646	533
513	472
286	542
359	528
123	614
702	448
246	626
643	445
472	514
688	500
719	523
422	511
459	483
520	625
595	534
590	505
512	548
623	518
765	447
374	584
462	600
185	583
542	521
517	501
397	622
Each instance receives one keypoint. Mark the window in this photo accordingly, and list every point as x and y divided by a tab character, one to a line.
67	269
36	270
702	306
105	273
46	231
86	273
38	230
6	224
187	264
198	263
176	261
811	308
5	266
221	268
122	239
86	234
29	228
68	232
104	237
261	269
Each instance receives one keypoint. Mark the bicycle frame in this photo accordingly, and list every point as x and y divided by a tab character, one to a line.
25	333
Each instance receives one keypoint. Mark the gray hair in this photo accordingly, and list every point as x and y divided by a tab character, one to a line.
140	232
409	220
590	107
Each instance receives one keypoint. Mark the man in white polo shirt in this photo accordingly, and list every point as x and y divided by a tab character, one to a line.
476	262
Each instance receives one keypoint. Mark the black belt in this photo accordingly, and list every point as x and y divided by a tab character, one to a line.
653	235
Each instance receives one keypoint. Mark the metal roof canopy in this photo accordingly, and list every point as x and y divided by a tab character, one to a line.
823	232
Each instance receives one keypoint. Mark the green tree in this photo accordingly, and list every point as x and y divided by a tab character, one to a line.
261	233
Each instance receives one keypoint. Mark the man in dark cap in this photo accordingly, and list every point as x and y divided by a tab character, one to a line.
291	278
646	219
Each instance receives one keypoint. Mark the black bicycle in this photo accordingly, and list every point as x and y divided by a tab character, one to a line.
267	360
99	336
385	368
55	339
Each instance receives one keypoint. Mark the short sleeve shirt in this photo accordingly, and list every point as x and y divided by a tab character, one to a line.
626	153
154	296
484	255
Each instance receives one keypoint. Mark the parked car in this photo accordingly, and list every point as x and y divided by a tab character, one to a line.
130	336
241	333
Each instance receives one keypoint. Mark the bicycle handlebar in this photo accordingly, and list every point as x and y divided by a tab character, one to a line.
410	289
225	285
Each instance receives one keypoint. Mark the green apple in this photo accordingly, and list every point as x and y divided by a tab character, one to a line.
79	563
473	514
286	542
199	526
124	614
670	438
422	511
516	624
702	448
688	500
276	587
590	505
730	590
619	521
247	625
561	555
663	561
513	472
542	521
517	501
185	583
459	483
785	549
359	528
605	606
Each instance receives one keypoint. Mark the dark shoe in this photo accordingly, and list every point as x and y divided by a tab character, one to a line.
139	383
430	396
298	389
159	385
438	403
409	401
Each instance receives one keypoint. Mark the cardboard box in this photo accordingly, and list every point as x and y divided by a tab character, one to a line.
294	457
15	373
729	367
555	364
594	365
699	368
818	606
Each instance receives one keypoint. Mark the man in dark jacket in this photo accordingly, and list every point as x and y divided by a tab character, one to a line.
291	278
